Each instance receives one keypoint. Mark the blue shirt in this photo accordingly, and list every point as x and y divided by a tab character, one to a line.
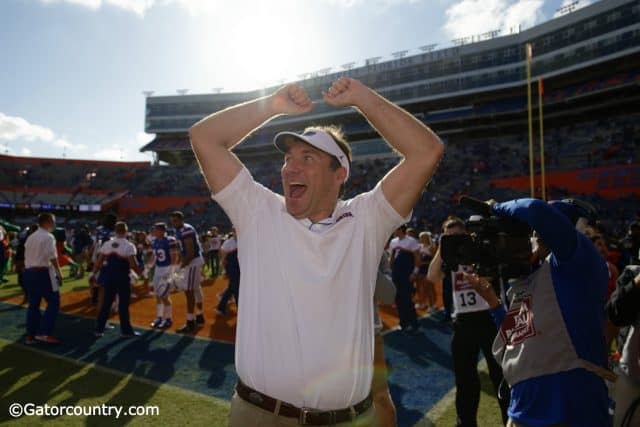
188	232
162	250
102	235
580	276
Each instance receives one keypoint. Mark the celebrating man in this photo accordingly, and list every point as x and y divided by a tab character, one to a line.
304	344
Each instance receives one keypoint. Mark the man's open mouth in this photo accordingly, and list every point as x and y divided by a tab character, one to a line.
297	190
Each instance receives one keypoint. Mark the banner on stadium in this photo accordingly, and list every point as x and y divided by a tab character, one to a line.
609	182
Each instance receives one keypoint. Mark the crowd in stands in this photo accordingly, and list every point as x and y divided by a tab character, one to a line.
466	169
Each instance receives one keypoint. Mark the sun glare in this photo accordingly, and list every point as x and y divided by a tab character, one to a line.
261	48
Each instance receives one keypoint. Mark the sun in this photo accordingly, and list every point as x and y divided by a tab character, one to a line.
260	47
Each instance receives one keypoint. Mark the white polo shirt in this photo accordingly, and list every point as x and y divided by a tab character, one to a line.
216	242
407	243
305	327
229	245
39	249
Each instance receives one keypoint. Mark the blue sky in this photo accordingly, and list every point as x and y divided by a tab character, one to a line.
73	71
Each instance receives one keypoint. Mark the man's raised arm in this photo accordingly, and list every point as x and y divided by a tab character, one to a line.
213	137
420	148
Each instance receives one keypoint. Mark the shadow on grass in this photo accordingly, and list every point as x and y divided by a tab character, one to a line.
421	369
29	376
196	365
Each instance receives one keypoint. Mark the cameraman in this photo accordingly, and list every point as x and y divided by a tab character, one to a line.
551	340
473	330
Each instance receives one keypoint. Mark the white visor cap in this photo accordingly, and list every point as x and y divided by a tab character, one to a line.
318	139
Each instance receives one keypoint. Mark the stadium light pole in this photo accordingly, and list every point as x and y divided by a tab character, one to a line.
567	8
529	54
428	48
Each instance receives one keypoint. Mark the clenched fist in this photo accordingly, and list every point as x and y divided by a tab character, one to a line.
291	99
345	92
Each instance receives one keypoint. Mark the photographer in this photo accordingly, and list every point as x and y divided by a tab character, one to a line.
551	341
623	310
473	331
452	226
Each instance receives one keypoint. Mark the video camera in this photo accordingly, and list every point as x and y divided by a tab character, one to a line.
494	246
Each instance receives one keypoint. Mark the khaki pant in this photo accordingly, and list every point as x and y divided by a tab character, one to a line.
245	414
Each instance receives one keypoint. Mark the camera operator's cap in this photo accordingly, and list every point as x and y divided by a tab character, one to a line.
575	209
316	138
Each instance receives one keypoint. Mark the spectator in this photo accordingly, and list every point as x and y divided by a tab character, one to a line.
425	288
19	258
630	244
229	260
213	256
404	259
116	257
82	243
42	278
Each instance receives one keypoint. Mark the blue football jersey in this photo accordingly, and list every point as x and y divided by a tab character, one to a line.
162	250
103	234
188	232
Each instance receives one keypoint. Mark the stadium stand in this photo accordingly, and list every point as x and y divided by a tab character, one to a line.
472	94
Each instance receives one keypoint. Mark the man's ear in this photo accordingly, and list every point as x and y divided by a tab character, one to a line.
341	174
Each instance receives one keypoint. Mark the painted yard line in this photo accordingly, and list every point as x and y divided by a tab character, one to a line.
443	404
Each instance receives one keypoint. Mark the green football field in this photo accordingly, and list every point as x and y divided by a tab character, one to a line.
29	375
